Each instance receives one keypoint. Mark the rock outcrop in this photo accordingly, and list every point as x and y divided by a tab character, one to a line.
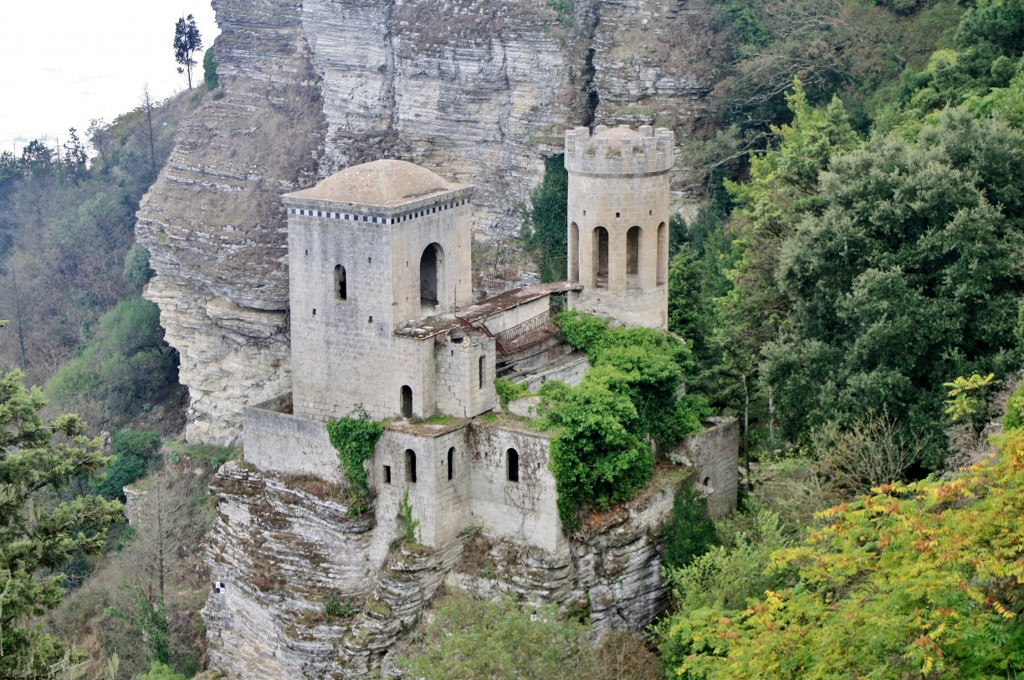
301	592
481	90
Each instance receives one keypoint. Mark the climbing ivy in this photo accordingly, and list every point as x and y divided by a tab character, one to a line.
602	453
354	437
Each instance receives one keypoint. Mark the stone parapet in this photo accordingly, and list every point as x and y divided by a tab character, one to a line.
649	153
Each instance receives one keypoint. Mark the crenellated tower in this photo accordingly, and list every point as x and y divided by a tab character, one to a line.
618	221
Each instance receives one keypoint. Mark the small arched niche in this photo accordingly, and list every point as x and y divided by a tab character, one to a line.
634	241
662	254
410	466
600	257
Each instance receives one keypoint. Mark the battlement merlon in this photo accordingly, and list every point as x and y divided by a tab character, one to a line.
619	151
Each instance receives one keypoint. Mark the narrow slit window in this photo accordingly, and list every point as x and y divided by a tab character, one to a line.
480	370
387	474
451	463
512	463
340	282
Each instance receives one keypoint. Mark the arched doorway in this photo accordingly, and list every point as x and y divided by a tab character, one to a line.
431	264
406	401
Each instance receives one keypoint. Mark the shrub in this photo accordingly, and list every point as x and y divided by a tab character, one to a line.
134	453
509	391
1014	417
689	532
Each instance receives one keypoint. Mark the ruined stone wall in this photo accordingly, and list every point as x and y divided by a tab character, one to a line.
714	456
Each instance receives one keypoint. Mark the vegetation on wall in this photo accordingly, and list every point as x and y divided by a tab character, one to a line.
355	437
602	452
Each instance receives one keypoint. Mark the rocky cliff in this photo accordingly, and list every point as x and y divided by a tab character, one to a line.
479	90
303	590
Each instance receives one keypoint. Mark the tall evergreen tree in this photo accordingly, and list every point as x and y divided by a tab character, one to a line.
187	42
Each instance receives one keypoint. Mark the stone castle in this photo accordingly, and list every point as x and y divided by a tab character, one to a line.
384	320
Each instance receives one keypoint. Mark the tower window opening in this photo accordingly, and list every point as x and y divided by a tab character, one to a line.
451	463
481	366
406	401
600	257
662	278
512	465
574	253
633	239
340	282
387	474
430	273
410	466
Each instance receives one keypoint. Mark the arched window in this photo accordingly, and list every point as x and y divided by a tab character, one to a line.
451	463
410	466
662	254
431	263
340	285
574	253
634	238
600	257
512	464
406	401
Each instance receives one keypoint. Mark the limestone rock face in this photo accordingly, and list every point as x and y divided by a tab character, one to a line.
478	90
214	224
278	554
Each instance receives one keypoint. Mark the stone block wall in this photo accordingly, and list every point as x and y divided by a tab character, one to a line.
714	456
440	504
524	510
286	444
465	375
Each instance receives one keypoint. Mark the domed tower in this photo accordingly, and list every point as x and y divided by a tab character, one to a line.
371	248
618	221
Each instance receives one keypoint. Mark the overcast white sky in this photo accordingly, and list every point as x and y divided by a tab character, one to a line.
66	62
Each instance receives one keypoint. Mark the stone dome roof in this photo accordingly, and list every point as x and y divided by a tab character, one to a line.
620	132
381	183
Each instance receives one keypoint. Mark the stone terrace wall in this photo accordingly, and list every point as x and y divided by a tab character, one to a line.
286	444
714	456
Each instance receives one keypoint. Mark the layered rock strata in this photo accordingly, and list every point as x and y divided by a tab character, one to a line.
279	555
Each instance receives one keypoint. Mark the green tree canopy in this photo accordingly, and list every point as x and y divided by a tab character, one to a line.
923	580
39	534
906	279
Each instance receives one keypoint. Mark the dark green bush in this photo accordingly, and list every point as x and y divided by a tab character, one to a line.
689	532
134	453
